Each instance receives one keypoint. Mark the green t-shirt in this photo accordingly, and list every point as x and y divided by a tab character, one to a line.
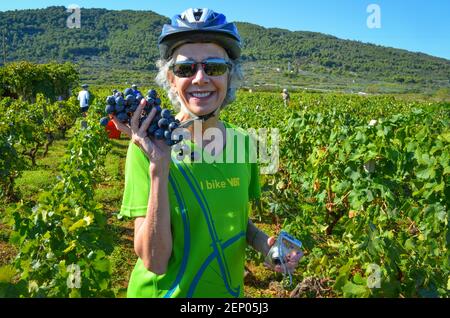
209	217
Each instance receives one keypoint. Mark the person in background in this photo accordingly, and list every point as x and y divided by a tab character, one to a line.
83	97
286	97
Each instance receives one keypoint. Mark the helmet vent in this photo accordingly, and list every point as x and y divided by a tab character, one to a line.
198	14
199	25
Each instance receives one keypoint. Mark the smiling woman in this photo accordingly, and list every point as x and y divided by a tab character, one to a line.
190	236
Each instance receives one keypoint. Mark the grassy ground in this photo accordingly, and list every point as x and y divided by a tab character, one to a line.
259	282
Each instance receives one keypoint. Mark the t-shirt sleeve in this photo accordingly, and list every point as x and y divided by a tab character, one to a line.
137	183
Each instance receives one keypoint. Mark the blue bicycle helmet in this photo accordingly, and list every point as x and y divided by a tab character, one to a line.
199	25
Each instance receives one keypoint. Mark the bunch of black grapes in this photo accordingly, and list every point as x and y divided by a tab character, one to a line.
163	123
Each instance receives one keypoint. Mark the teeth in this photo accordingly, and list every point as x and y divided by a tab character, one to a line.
201	95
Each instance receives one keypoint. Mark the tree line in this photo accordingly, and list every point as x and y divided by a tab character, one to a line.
127	40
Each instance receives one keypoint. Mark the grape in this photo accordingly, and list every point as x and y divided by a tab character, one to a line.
150	101
119	101
159	134
129	100
110	109
165	113
157	118
110	100
163	123
120	108
122	116
104	121
152	128
173	126
128	91
133	108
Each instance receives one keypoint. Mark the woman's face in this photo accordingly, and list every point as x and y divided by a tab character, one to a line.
200	93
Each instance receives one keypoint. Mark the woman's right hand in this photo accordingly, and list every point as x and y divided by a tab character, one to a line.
156	150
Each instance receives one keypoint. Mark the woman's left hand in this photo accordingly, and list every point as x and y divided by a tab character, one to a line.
292	258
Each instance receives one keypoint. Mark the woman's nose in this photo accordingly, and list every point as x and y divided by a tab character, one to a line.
200	77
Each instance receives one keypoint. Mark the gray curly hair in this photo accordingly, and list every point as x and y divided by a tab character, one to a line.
235	80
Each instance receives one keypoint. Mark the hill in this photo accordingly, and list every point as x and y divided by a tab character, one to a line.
113	46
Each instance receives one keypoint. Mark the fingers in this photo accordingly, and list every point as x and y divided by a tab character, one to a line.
271	240
147	121
137	115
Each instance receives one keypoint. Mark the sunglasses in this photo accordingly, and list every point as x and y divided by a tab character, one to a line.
212	67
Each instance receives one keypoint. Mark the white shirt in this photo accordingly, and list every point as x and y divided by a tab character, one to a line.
83	97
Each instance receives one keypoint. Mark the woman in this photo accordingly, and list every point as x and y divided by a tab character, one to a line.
191	218
286	97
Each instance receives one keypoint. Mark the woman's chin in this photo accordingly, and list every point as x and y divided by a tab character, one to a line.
201	110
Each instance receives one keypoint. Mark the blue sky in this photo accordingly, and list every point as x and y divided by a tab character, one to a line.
414	25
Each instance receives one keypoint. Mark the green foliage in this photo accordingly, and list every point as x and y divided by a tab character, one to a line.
26	80
309	51
365	198
24	129
368	199
63	241
63	114
126	38
11	162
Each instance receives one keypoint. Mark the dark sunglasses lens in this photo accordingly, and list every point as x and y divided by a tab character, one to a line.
215	69
189	69
184	69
